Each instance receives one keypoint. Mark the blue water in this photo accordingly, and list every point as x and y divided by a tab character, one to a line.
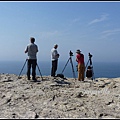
100	69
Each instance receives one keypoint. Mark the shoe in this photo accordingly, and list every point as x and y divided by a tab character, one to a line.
34	79
52	75
81	80
28	78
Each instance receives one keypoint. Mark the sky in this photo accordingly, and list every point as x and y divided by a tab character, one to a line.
93	27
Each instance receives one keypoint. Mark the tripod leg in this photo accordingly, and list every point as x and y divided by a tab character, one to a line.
22	69
93	77
65	65
72	68
39	71
86	65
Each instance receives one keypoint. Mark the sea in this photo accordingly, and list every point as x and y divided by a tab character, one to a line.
68	69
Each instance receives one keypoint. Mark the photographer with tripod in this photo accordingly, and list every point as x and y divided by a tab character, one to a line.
32	50
81	65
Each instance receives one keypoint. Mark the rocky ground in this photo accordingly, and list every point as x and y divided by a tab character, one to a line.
58	98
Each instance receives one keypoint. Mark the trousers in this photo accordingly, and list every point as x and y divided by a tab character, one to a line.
54	67
81	71
31	63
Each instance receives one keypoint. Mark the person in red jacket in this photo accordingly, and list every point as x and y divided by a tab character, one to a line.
81	65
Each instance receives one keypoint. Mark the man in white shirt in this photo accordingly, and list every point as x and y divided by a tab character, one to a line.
54	58
32	50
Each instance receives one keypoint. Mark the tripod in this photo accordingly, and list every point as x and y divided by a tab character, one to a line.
24	66
93	77
70	59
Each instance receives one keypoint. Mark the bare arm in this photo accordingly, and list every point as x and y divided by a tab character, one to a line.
26	50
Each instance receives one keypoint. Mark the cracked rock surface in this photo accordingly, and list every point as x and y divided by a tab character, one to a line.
58	98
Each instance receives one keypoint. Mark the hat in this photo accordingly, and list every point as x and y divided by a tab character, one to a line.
78	51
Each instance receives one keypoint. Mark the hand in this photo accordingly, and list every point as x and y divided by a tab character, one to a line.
25	51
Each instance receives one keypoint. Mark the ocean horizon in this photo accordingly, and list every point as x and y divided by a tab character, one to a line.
100	69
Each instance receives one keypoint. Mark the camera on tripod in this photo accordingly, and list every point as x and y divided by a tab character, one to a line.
89	72
89	55
70	59
71	53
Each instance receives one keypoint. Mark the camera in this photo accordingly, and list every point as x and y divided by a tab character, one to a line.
90	58
71	53
89	55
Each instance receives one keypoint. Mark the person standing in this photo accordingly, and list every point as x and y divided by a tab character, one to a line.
32	50
54	58
81	65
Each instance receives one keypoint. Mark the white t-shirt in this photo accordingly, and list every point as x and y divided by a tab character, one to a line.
54	53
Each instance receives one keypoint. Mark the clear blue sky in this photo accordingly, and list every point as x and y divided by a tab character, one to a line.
89	26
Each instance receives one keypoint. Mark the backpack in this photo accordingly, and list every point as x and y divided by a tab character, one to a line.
89	72
60	75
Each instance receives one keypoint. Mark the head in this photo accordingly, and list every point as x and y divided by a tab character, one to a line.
55	46
78	51
32	39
